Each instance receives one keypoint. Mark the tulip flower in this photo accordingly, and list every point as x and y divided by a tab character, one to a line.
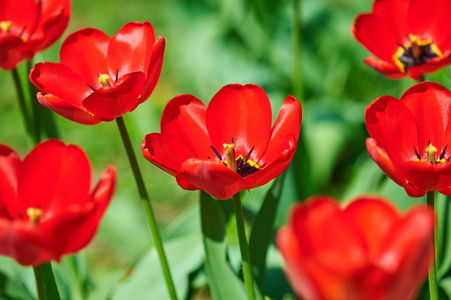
367	250
101	78
409	138
228	146
46	207
28	27
410	37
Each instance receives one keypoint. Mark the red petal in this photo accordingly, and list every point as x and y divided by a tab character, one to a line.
184	118
108	103
376	35
66	110
288	124
166	152
13	50
241	113
425	176
408	252
433	65
393	126
387	69
85	52
430	105
9	165
60	81
155	65
373	219
54	17
23	15
130	48
213	177
51	172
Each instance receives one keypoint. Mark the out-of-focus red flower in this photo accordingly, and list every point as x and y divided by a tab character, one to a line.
409	138
228	146
28	27
101	78
364	251
410	37
46	207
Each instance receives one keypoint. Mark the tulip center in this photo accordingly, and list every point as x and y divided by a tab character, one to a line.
34	214
104	80
415	52
5	25
242	165
431	151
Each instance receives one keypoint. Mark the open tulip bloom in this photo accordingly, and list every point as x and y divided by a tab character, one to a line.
410	37
409	138
367	250
228	146
101	78
46	207
28	27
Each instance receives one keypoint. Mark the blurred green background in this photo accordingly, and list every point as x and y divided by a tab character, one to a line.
288	47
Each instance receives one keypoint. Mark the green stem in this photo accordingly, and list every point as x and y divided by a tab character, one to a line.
23	106
297	48
433	288
45	282
247	267
147	206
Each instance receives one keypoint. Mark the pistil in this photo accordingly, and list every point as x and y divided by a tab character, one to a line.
230	156
34	214
431	150
5	25
104	80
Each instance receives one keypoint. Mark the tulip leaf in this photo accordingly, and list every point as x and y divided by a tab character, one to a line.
16	282
224	284
443	209
263	231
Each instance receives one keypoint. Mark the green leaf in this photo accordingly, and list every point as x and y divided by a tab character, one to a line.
224	284
263	231
16	281
443	208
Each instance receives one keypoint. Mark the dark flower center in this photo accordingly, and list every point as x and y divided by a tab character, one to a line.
242	165
415	52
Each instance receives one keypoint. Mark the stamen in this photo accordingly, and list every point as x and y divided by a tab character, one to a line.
216	152
431	150
5	25
442	155
34	214
416	153
103	79
117	73
230	156
249	154
91	87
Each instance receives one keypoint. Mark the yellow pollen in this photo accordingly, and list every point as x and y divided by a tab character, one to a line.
230	156
5	25
103	79
431	150
34	214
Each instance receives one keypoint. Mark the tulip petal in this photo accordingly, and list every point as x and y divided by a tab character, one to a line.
66	110
109	103
184	119
213	177
60	81
133	41
9	165
22	19
85	52
12	51
166	152
387	69
426	176
52	176
154	70
241	113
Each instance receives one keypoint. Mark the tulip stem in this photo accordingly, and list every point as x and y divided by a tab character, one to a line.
247	267
45	282
23	106
433	288
147	206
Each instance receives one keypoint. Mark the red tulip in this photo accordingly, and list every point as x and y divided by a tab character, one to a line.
364	251
228	146
101	78
46	207
409	138
28	27
410	37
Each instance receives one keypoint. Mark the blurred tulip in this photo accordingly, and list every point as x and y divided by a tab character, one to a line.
367	250
46	207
